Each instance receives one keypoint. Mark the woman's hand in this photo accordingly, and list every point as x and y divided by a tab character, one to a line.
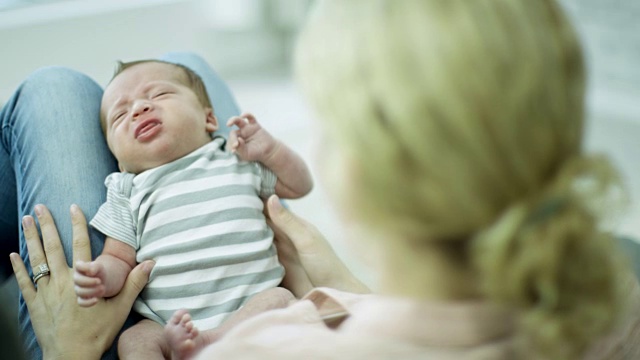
64	329
308	258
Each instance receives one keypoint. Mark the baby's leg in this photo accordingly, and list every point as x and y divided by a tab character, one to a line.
276	298
186	341
144	340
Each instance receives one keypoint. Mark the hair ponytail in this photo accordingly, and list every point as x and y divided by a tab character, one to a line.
465	119
547	257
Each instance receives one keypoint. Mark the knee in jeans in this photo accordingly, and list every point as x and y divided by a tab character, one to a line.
55	79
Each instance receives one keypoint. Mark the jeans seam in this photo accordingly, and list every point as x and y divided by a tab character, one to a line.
6	128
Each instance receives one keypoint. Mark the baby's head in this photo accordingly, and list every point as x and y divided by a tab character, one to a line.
154	112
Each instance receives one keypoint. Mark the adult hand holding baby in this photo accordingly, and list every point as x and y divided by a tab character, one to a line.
54	312
307	256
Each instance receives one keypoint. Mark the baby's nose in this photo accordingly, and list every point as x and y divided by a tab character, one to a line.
141	108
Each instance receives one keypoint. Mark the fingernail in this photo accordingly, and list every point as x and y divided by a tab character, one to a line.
38	210
276	205
148	266
27	221
74	209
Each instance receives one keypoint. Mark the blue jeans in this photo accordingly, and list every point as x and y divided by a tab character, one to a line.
52	152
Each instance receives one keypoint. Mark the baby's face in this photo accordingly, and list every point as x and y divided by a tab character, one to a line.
153	118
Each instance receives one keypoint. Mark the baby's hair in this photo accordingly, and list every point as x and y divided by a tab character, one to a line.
190	79
462	122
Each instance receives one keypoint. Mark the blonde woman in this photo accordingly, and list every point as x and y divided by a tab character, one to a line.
453	131
453	134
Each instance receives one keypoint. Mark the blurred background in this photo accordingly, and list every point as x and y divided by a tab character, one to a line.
250	42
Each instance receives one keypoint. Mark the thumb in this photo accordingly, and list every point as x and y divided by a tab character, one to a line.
303	235
232	140
136	281
284	219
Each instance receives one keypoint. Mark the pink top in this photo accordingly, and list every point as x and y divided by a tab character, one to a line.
396	328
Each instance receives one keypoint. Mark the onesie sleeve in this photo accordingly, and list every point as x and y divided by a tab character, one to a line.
115	218
267	181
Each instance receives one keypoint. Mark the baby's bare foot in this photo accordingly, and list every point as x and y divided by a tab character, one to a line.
182	336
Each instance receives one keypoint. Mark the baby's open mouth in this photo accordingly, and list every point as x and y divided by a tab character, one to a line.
146	127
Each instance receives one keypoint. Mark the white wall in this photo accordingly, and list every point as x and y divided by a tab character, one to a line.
251	39
610	32
238	37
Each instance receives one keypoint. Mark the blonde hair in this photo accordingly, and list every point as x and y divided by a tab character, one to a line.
464	121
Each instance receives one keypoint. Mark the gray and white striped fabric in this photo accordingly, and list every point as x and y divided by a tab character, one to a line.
200	218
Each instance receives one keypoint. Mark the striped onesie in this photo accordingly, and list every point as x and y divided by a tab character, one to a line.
200	219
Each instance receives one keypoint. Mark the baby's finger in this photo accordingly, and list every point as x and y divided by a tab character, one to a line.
250	118
34	246
231	120
82	280
233	140
89	292
241	122
237	121
86	302
87	268
83	268
22	277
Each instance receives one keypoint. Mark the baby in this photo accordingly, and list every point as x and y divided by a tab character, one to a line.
186	203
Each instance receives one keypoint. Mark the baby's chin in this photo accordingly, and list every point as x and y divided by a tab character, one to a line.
138	168
160	153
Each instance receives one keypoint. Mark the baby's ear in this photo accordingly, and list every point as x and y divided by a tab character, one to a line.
212	121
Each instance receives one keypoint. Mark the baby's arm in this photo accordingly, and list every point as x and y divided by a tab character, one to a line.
105	276
253	143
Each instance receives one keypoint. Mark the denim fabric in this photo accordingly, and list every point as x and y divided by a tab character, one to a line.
52	152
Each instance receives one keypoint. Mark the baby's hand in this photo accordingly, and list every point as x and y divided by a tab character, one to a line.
88	278
250	141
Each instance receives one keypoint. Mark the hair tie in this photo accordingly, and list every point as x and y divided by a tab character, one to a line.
546	210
